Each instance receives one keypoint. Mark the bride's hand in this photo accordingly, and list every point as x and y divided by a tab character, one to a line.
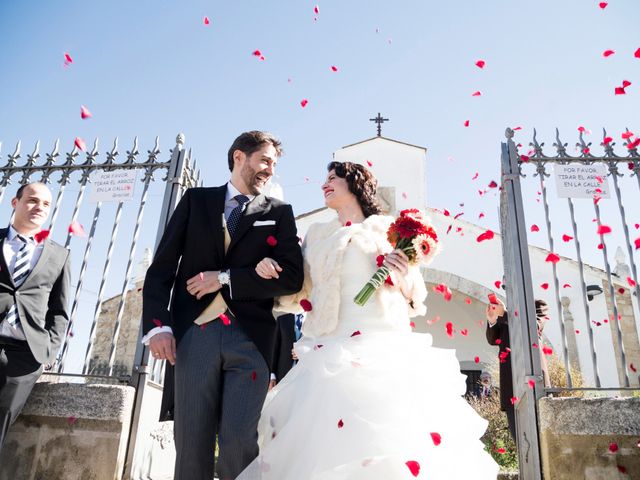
268	268
397	261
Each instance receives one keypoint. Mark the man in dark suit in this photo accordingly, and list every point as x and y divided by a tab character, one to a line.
498	334
288	332
34	289
206	310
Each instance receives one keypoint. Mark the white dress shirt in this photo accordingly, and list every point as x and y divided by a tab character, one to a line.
229	204
10	249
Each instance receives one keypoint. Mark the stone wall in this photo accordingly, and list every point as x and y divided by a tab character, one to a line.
69	431
591	439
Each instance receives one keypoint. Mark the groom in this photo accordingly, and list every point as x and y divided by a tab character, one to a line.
218	330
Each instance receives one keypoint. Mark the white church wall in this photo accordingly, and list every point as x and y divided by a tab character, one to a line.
394	164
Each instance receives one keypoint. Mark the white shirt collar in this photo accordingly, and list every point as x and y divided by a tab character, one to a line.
232	191
13	233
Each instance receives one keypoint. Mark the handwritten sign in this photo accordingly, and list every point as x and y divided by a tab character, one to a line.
581	181
116	186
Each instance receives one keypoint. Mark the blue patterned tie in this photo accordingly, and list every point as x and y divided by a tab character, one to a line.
298	326
21	271
236	213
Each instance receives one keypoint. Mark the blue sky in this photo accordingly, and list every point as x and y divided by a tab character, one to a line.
152	68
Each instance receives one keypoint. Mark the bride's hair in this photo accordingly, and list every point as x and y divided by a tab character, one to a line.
361	183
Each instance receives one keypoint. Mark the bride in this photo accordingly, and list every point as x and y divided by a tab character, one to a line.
368	399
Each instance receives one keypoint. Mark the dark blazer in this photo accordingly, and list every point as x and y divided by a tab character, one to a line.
500	331
194	242
285	338
41	299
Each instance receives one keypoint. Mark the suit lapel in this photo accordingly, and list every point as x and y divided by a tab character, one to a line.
254	210
216	210
47	250
5	275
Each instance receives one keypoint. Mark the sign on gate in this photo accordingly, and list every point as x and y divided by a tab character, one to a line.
581	181
115	186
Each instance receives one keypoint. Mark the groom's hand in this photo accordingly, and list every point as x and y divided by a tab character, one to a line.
163	347
203	283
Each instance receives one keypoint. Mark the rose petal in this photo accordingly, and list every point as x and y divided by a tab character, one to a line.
254	375
466	123
493	184
476	359
340	423
449	329
531	383
613	447
467	301
225	319
41	236
78	142
414	467
607	140
603	5
477	93
77	229
501	450
206	21
608	53
272	241
535	228
316	9
436	438
620	91
306	305
304	102
514	400
544	286
631	282
464	332
157	322
67	58
626	83
493	300
566	285
84	112
488	235
547	350
637	243
369	164
480	63
497	283
443	290
603	230
566	238
356	333
334	68
552	258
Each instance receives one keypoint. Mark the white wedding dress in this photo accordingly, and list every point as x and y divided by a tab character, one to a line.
363	400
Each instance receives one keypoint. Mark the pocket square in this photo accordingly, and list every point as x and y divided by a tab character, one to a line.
263	223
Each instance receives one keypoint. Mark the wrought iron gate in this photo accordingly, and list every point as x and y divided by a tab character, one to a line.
520	286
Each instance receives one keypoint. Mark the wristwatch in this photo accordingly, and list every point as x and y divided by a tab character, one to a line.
224	278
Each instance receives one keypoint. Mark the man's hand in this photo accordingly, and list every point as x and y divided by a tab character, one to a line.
268	268
495	311
163	347
203	283
272	383
294	355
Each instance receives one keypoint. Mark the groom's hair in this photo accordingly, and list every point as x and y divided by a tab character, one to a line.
250	142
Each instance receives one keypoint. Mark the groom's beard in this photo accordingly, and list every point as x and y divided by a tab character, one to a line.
251	180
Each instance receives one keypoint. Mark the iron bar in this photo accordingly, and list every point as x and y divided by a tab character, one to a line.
541	172
103	282
583	286
612	295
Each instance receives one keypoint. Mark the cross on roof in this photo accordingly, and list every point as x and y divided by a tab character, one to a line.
379	120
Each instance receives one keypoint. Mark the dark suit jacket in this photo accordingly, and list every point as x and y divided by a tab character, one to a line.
500	331
285	338
41	299
194	242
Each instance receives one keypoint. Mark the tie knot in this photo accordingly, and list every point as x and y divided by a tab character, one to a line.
24	239
241	199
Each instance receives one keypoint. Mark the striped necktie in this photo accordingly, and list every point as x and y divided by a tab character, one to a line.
21	271
236	213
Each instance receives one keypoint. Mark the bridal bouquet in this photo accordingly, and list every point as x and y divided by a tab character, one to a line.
412	234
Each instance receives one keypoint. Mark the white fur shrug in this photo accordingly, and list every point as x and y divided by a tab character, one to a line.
323	250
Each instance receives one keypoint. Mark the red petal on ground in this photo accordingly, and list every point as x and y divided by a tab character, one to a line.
356	333
467	301
633	368
414	467
501	451
449	329
637	53
613	447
